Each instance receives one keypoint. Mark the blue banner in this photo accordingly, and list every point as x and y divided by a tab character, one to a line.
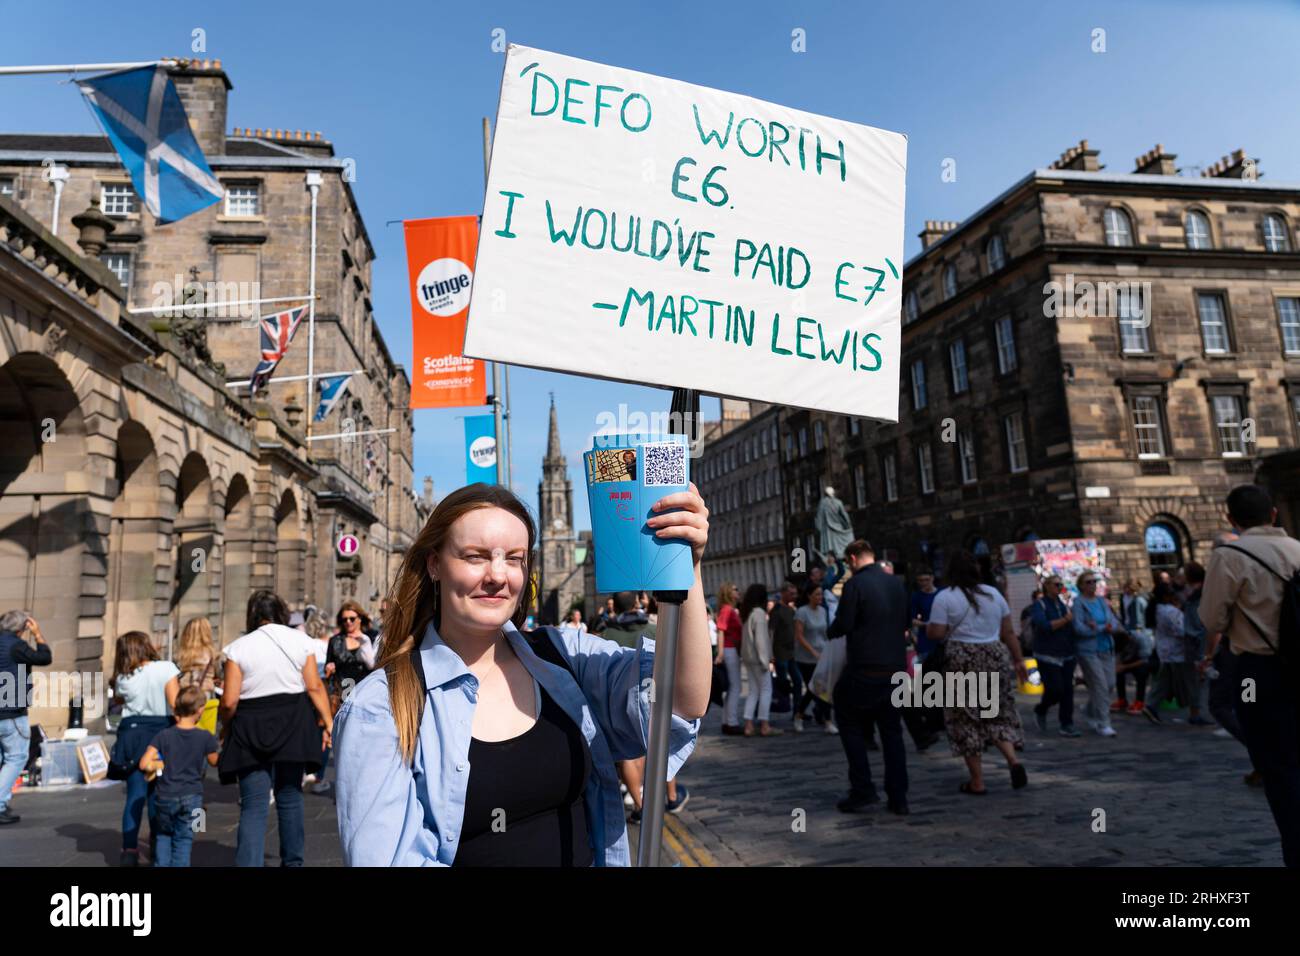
480	449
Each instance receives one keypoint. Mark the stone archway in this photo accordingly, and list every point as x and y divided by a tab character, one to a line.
289	551
135	527
44	526
237	560
193	539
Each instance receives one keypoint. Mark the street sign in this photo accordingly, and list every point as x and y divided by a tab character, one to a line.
643	229
348	545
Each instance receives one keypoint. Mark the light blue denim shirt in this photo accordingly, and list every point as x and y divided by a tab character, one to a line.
396	814
1090	620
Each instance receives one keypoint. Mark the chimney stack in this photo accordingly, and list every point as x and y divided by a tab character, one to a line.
1079	158
1156	162
203	86
1236	166
935	229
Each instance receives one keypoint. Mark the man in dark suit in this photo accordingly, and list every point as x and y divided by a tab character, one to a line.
873	618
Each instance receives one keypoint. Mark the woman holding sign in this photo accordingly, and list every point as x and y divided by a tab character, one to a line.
475	744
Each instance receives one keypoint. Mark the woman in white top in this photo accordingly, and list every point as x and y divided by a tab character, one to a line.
574	627
147	688
974	622
274	708
756	654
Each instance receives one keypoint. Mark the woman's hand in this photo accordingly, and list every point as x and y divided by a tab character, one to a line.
717	658
1022	672
690	524
329	669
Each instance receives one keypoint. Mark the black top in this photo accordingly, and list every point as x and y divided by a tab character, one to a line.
278	728
348	664
184	754
524	800
873	616
17	659
781	623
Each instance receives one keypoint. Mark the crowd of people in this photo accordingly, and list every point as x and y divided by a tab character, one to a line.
259	710
1204	640
1217	640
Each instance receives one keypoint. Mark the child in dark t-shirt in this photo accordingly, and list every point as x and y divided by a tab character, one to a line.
176	756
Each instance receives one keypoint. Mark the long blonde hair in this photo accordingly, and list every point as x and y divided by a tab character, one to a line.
728	593
414	601
195	647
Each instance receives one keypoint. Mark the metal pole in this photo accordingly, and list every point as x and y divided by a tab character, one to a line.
683	419
313	183
73	68
498	434
290	378
510	443
368	431
214	305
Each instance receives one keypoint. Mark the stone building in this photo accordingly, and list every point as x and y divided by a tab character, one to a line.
562	556
138	488
1092	354
739	477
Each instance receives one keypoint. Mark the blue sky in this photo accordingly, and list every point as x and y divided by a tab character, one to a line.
401	87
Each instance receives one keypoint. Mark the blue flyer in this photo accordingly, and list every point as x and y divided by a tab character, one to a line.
626	475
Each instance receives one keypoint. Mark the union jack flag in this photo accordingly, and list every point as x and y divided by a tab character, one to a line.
277	333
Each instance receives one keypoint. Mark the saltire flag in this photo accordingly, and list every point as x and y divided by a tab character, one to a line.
277	333
142	115
332	390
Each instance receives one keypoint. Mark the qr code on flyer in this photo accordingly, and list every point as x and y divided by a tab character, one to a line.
665	464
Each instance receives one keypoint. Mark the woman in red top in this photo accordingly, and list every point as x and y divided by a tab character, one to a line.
730	625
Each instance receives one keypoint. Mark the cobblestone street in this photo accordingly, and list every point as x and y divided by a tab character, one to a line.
1172	795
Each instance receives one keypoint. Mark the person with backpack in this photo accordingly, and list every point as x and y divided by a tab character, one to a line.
1252	595
201	666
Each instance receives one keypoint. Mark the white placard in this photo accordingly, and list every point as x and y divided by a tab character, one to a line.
648	230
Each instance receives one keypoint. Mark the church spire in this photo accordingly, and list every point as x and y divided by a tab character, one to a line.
553	451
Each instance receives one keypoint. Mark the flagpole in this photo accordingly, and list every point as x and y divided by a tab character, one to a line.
496	366
181	307
75	67
291	378
510	444
368	431
313	183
